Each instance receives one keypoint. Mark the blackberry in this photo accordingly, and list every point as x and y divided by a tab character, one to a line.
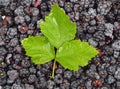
17	57
12	74
27	2
65	84
50	84
25	63
18	49
58	79
88	84
32	70
99	35
8	58
116	54
32	78
72	15
27	18
67	74
103	73
116	45
40	74
61	3
75	84
35	11
3	77
24	80
73	1
57	88
104	88
76	74
28	86
5	2
117	74
1	58
6	87
34	19
118	85
105	59
1	42
92	42
19	11
16	86
13	42
13	6
3	51
111	69
92	22
11	32
31	26
2	73
68	6
24	72
19	19
43	7
108	50
109	30
43	82
77	16
77	8
104	7
22	29
112	60
84	3
110	79
92	12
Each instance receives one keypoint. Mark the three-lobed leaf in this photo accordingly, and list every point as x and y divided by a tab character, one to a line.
57	27
75	53
39	48
59	32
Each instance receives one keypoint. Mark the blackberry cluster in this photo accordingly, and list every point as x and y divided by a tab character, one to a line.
98	22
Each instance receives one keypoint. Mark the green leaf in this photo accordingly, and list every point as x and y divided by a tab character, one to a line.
75	53
57	27
39	49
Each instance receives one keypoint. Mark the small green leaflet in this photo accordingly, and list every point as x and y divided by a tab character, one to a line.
57	27
75	53
39	49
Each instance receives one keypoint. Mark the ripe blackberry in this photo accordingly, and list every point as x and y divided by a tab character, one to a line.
116	45
117	74
35	11
2	73
50	84
65	84
19	19
58	79
29	86
11	32
24	72
104	7
13	42
25	63
111	69
67	74
68	6
110	79
32	70
32	78
19	11
3	51
12	74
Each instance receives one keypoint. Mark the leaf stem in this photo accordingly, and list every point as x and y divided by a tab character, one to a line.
53	69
